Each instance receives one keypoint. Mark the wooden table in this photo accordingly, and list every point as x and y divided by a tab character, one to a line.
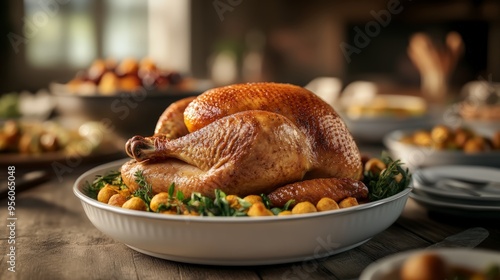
55	240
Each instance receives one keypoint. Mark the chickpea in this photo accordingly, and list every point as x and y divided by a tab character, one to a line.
259	209
157	200
326	204
375	165
348	202
117	200
106	193
135	203
253	198
304	207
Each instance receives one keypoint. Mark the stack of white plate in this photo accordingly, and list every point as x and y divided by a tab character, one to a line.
443	190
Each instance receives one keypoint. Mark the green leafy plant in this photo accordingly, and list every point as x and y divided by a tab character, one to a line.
145	190
113	178
390	181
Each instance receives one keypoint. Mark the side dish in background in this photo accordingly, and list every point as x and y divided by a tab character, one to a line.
372	111
431	266
9	106
436	263
384	105
26	105
39	138
109	77
442	137
367	100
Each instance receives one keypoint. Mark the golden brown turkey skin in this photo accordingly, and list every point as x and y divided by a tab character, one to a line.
315	189
335	152
171	122
249	152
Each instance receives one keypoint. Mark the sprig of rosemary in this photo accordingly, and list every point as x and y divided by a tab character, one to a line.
145	190
391	181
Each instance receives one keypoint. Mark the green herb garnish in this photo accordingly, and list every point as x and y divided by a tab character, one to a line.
389	182
113	178
145	190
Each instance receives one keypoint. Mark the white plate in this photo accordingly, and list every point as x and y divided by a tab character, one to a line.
459	209
490	193
239	240
415	156
388	268
426	199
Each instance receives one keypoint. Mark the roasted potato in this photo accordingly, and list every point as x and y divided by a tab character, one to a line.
157	200
475	145
117	200
135	203
326	204
422	138
375	166
285	213
106	193
253	198
441	134
304	207
259	209
348	202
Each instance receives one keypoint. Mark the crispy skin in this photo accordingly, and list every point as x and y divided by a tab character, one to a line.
171	122
335	152
246	139
315	189
245	153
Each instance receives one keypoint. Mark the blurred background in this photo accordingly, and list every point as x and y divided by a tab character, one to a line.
289	41
348	52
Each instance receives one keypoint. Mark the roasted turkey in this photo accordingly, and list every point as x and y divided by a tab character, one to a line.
247	139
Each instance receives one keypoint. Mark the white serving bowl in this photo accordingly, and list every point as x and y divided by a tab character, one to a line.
388	268
239	240
416	156
126	113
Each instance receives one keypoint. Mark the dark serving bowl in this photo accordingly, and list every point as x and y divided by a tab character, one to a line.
126	113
